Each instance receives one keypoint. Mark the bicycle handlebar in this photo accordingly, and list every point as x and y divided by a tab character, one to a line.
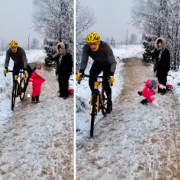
103	77
20	71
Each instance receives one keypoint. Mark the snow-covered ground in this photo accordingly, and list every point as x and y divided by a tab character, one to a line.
134	142
174	80
6	82
36	140
83	90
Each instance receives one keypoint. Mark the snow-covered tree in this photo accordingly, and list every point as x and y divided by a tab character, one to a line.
2	45
54	19
107	40
148	43
84	20
133	39
34	43
127	38
113	42
160	18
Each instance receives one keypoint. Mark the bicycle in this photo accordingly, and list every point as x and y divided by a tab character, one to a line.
17	87
98	100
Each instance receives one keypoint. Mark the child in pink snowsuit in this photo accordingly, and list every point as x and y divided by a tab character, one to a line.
37	80
149	90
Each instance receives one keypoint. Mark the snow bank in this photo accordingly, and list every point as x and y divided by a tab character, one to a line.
83	91
174	80
6	82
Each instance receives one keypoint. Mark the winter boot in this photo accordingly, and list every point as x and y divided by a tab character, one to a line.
159	90
33	100
37	99
109	105
144	101
163	92
60	95
140	93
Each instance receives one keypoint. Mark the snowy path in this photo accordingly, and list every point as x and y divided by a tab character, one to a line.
37	142
135	142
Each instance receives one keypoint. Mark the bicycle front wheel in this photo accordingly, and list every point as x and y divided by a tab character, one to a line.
22	84
13	97
104	105
93	113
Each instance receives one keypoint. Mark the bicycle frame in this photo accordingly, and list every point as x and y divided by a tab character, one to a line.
100	98
96	87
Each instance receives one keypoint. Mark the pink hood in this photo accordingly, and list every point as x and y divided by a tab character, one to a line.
148	83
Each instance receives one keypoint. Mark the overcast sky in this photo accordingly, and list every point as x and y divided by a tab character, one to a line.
15	21
113	17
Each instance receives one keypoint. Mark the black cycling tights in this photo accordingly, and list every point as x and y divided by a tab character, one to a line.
95	70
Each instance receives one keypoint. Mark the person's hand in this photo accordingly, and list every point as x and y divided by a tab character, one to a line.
155	103
162	87
111	75
26	73
5	71
79	75
112	79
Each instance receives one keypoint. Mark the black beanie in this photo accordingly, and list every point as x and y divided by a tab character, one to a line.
159	41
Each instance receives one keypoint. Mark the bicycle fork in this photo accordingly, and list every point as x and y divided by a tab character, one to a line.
96	84
97	105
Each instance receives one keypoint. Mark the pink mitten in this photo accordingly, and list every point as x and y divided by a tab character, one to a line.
155	103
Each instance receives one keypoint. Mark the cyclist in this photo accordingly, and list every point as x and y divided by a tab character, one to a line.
104	61
18	55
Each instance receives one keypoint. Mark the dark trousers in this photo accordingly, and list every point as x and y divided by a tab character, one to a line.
63	87
95	70
16	69
162	80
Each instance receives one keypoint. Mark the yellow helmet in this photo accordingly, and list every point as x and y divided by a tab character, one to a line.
13	43
92	37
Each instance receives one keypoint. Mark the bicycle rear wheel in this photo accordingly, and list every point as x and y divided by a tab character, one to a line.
22	84
104	111
13	97
93	113
104	105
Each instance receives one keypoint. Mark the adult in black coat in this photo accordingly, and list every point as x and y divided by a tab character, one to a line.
64	65
161	57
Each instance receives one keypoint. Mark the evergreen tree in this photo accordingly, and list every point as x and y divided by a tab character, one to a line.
55	21
50	48
148	43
